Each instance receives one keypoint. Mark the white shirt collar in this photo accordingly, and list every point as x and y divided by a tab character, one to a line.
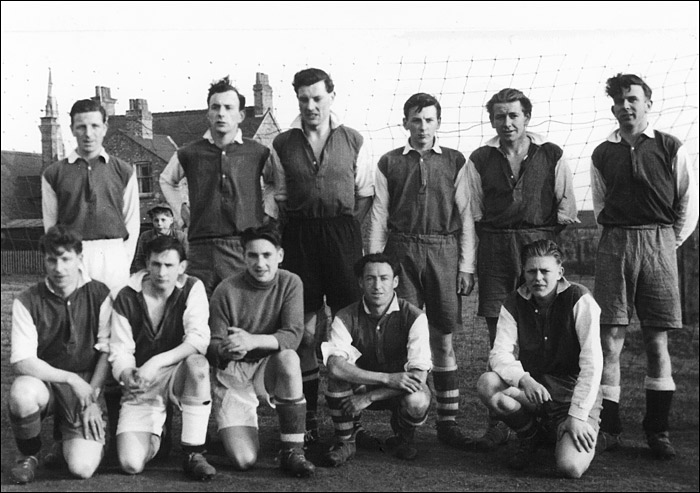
408	148
335	122
534	138
393	306
616	138
74	156
238	139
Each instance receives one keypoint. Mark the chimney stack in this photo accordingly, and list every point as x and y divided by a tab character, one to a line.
139	121
262	93
104	97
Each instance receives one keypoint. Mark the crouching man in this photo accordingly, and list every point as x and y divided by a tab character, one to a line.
552	390
159	337
60	340
257	320
378	358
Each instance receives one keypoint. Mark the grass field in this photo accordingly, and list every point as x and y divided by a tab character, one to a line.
437	467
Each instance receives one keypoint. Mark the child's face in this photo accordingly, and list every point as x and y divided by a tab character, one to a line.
162	221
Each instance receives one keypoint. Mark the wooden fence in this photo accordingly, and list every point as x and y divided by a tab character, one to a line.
22	262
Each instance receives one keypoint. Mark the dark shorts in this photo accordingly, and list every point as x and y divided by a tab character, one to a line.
322	252
214	259
553	413
428	277
498	264
65	407
636	267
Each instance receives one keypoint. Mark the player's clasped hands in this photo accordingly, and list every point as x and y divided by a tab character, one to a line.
237	344
132	382
406	381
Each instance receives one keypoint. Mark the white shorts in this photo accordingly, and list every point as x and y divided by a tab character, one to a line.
237	391
106	261
146	412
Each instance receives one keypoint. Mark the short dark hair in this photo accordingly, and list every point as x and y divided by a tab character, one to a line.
60	237
419	101
311	76
375	258
87	106
224	85
541	248
160	209
267	232
161	244
509	95
614	85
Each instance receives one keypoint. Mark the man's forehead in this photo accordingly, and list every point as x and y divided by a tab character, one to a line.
316	88
633	89
508	107
378	267
61	252
424	111
260	245
87	116
227	97
169	255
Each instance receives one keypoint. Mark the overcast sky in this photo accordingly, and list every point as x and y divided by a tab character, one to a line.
378	53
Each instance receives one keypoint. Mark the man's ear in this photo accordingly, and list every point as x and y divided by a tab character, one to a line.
396	282
183	267
280	252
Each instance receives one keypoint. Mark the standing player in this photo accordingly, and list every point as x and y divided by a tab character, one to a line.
552	388
224	173
60	341
421	217
97	196
522	191
327	190
257	323
646	198
159	337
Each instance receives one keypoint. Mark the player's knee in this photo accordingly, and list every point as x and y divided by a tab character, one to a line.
197	367
131	465
487	388
25	395
242	460
82	469
288	363
416	404
570	468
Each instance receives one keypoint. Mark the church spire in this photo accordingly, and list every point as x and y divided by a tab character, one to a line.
52	148
51	104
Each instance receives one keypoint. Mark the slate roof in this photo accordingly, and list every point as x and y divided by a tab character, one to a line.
186	126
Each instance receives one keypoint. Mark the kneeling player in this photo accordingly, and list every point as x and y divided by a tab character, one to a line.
553	386
60	336
378	357
159	337
257	320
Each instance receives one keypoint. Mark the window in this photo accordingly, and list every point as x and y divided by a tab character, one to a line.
144	171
